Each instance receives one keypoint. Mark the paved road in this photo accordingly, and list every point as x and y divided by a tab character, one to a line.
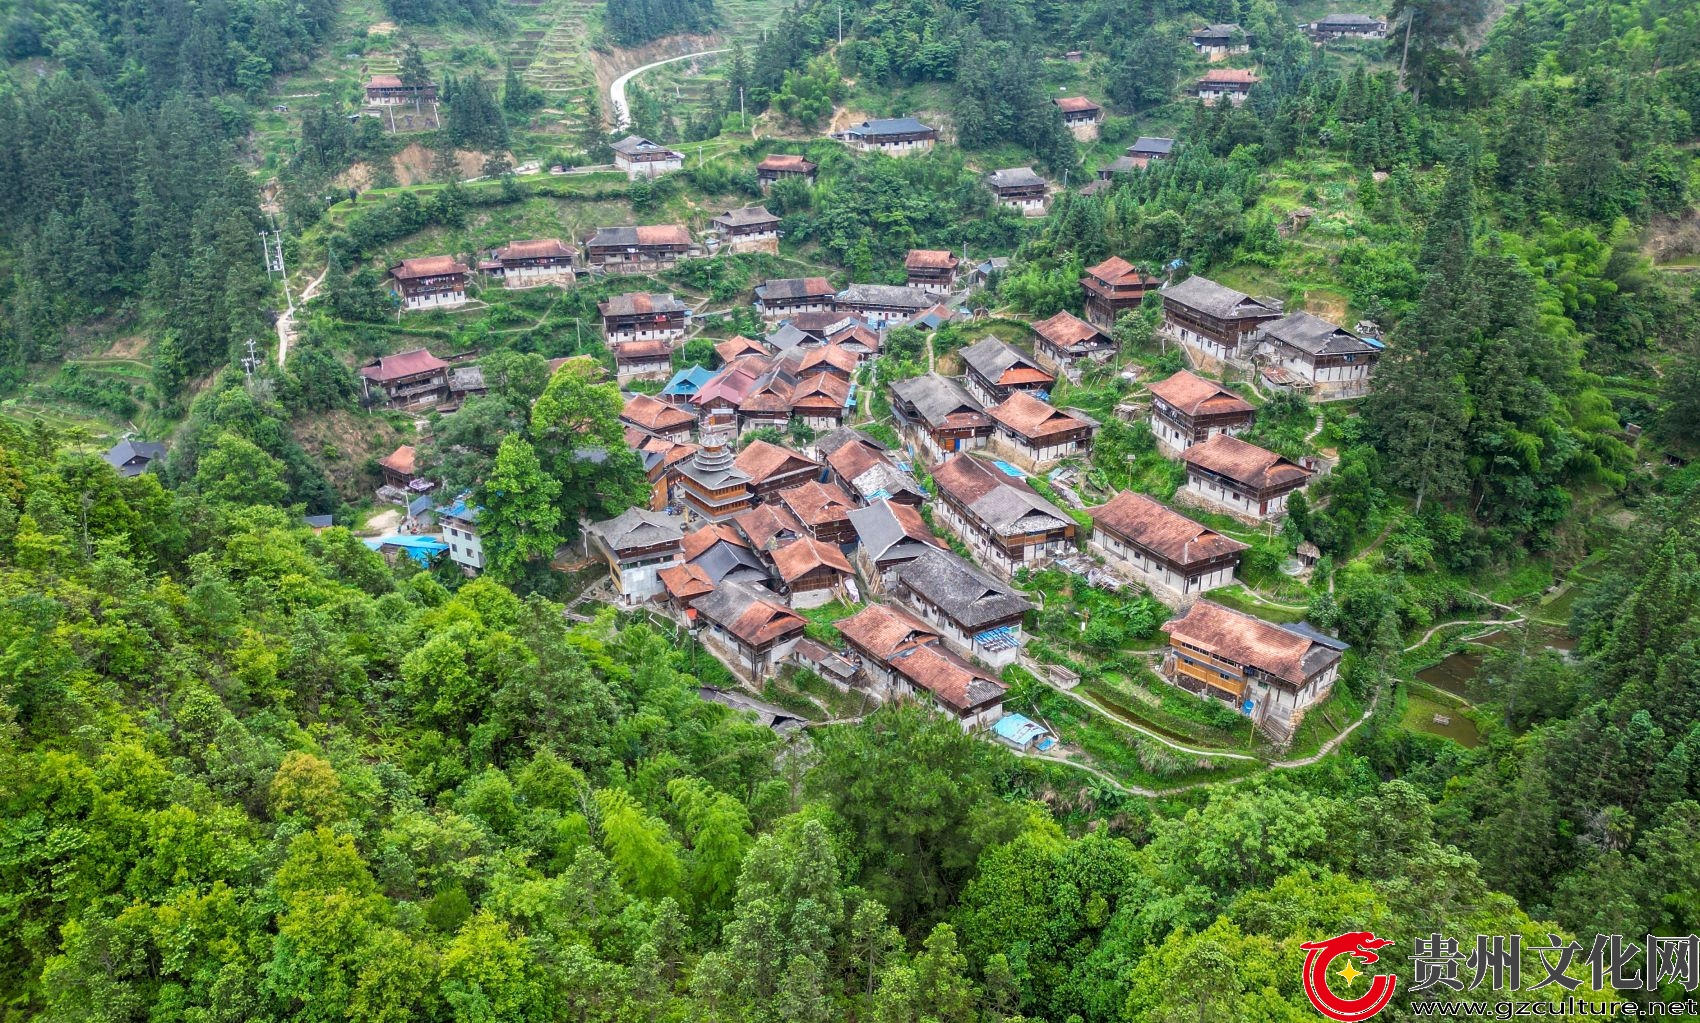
286	321
617	91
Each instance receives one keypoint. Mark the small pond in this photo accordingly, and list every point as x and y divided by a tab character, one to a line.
1456	671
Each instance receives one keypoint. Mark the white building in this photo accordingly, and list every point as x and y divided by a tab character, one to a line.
460	531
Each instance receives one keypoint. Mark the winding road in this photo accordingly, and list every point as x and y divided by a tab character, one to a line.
617	90
286	319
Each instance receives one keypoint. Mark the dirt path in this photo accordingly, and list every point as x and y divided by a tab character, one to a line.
1193	751
1447	625
617	90
286	322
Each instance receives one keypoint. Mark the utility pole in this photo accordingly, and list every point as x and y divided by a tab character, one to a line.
250	361
841	24
740	106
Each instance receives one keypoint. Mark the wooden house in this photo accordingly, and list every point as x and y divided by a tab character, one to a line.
1035	435
893	136
405	380
857	338
865	468
1186	409
1147	149
1218	41
1271	673
430	282
938	416
995	370
884	305
877	634
1228	474
637	250
1326	359
658	418
786	297
777	167
976	615
888	536
711	486
1219	322
391	91
636	545
823	509
1113	287
1002	520
821	399
1081	116
1347	26
1171	555
132	457
811	573
400	467
643	316
530	263
751	630
734	348
771	468
748	229
638	157
641	360
1067	343
1225	83
1021	189
931	270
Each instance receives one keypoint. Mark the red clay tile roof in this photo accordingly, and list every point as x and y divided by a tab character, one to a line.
1244	463
733	347
400	460
733	382
858	332
402	364
816	504
763	461
639	303
823	391
1244	640
633	351
1228	75
427	266
856	458
1033	419
882	631
1075	105
1117	270
709	535
537	249
685	583
1196	396
930	259
831	355
1015	376
764	525
800	557
785	162
1157	527
654	414
1065	330
748	613
957	684
384	82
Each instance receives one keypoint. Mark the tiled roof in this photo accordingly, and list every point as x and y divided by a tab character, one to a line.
637	145
930	259
1066	330
935	397
1075	105
655	414
1244	463
402	460
1007	506
640	303
1117	270
707	536
816	504
800	557
637	351
1152	145
685	583
1316	336
824	358
1229	76
785	162
427	266
540	248
888	126
1157	527
658	234
637	527
1014	177
886	530
794	288
1241	639
763	461
733	347
1032	419
953	681
384	82
749	613
402	364
1195	396
886	295
821	392
766	526
1003	364
971	598
746	216
883	631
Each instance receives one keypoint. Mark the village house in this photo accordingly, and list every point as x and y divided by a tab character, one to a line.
1328	360
786	297
789	336
390	91
399	467
751	631
888	536
1244	480
1271	673
460	529
857	338
767	527
976	615
637	544
637	250
682	584
767	403
530	263
748	229
777	167
734	348
1067	342
132	457
641	360
1171	555
884	305
724	394
1186	409
996	370
771	468
1217	41
722	553
1220	322
1002	520
823	509
864	467
1225	83
893	136
638	157
1020	189
829	359
711	486
938	416
654	416
643	316
405	380
821	399
931	270
1147	149
1114	287
970	695
811	573
1081	116
878	633
661	459
430	282
1347	26
1035	435
684	385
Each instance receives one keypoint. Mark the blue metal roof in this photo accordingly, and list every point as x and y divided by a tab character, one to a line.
460	510
1001	638
420	548
1009	470
419	505
1021	730
688	380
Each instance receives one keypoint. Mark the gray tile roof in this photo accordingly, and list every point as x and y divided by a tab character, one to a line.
935	397
140	452
637	145
637	527
794	287
882	536
1014	177
1151	144
991	358
831	441
971	598
888	126
1213	299
1316	336
893	295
